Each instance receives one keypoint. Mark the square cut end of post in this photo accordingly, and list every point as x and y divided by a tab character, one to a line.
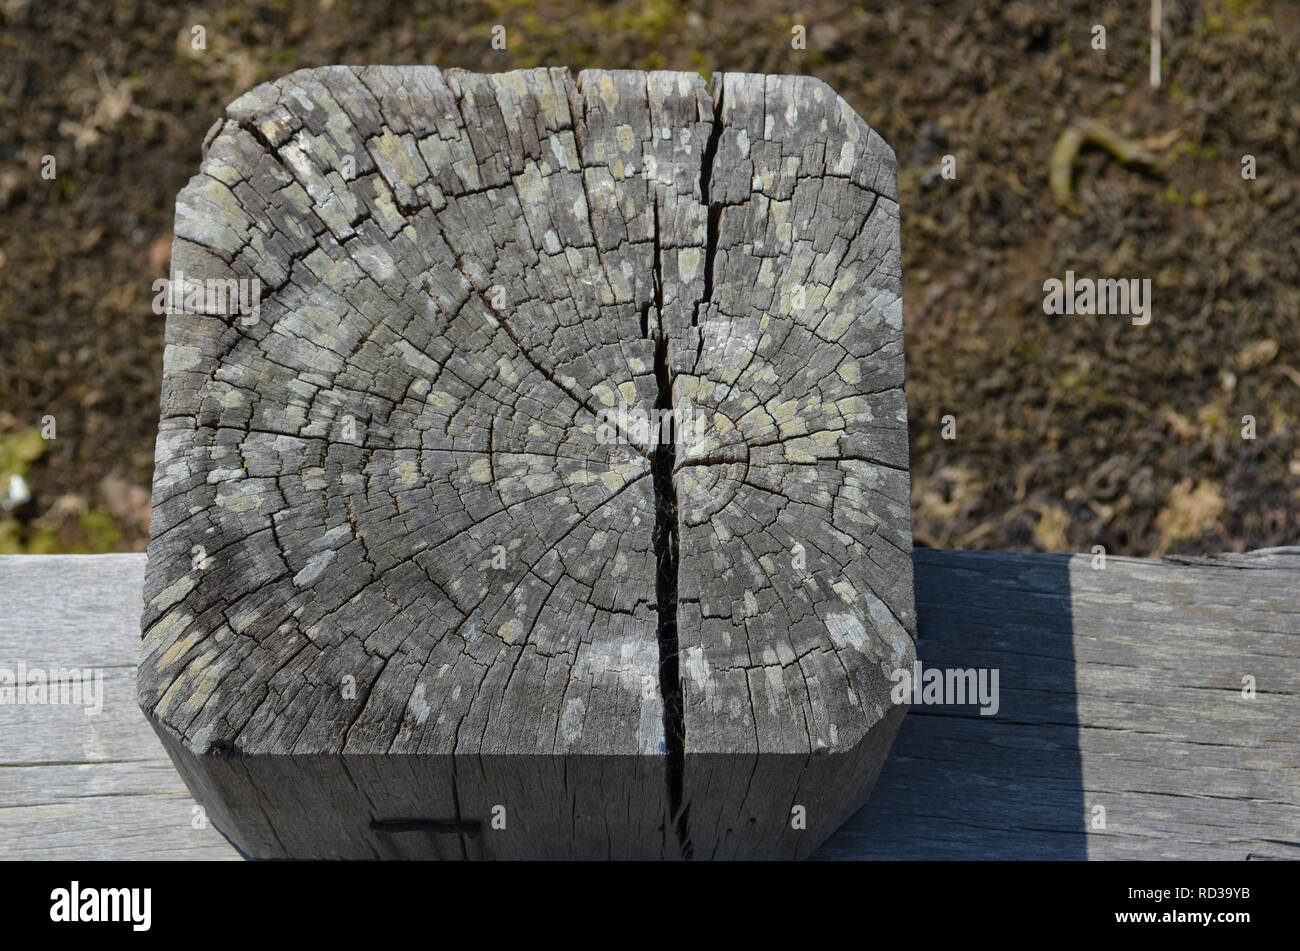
532	472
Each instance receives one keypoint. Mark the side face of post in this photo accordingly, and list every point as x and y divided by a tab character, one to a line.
532	472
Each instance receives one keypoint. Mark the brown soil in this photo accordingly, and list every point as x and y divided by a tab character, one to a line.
1071	431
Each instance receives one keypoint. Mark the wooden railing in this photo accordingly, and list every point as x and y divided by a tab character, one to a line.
1121	689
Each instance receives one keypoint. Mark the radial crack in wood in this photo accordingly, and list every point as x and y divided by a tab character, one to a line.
427	576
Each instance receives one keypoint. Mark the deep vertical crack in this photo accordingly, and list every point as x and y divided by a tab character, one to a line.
662	459
667	533
714	210
666	558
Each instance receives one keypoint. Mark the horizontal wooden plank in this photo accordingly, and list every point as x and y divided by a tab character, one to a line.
1119	688
73	785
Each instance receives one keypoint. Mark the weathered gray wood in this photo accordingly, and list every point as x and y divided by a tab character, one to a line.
1119	688
796	592
74	786
398	478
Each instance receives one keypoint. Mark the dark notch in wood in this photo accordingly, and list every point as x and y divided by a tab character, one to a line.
462	827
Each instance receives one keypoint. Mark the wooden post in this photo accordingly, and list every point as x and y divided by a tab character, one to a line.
420	584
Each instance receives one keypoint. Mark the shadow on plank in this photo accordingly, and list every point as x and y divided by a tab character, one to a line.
961	785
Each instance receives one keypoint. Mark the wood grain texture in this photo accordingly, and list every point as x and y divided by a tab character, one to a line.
400	477
1120	688
74	786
